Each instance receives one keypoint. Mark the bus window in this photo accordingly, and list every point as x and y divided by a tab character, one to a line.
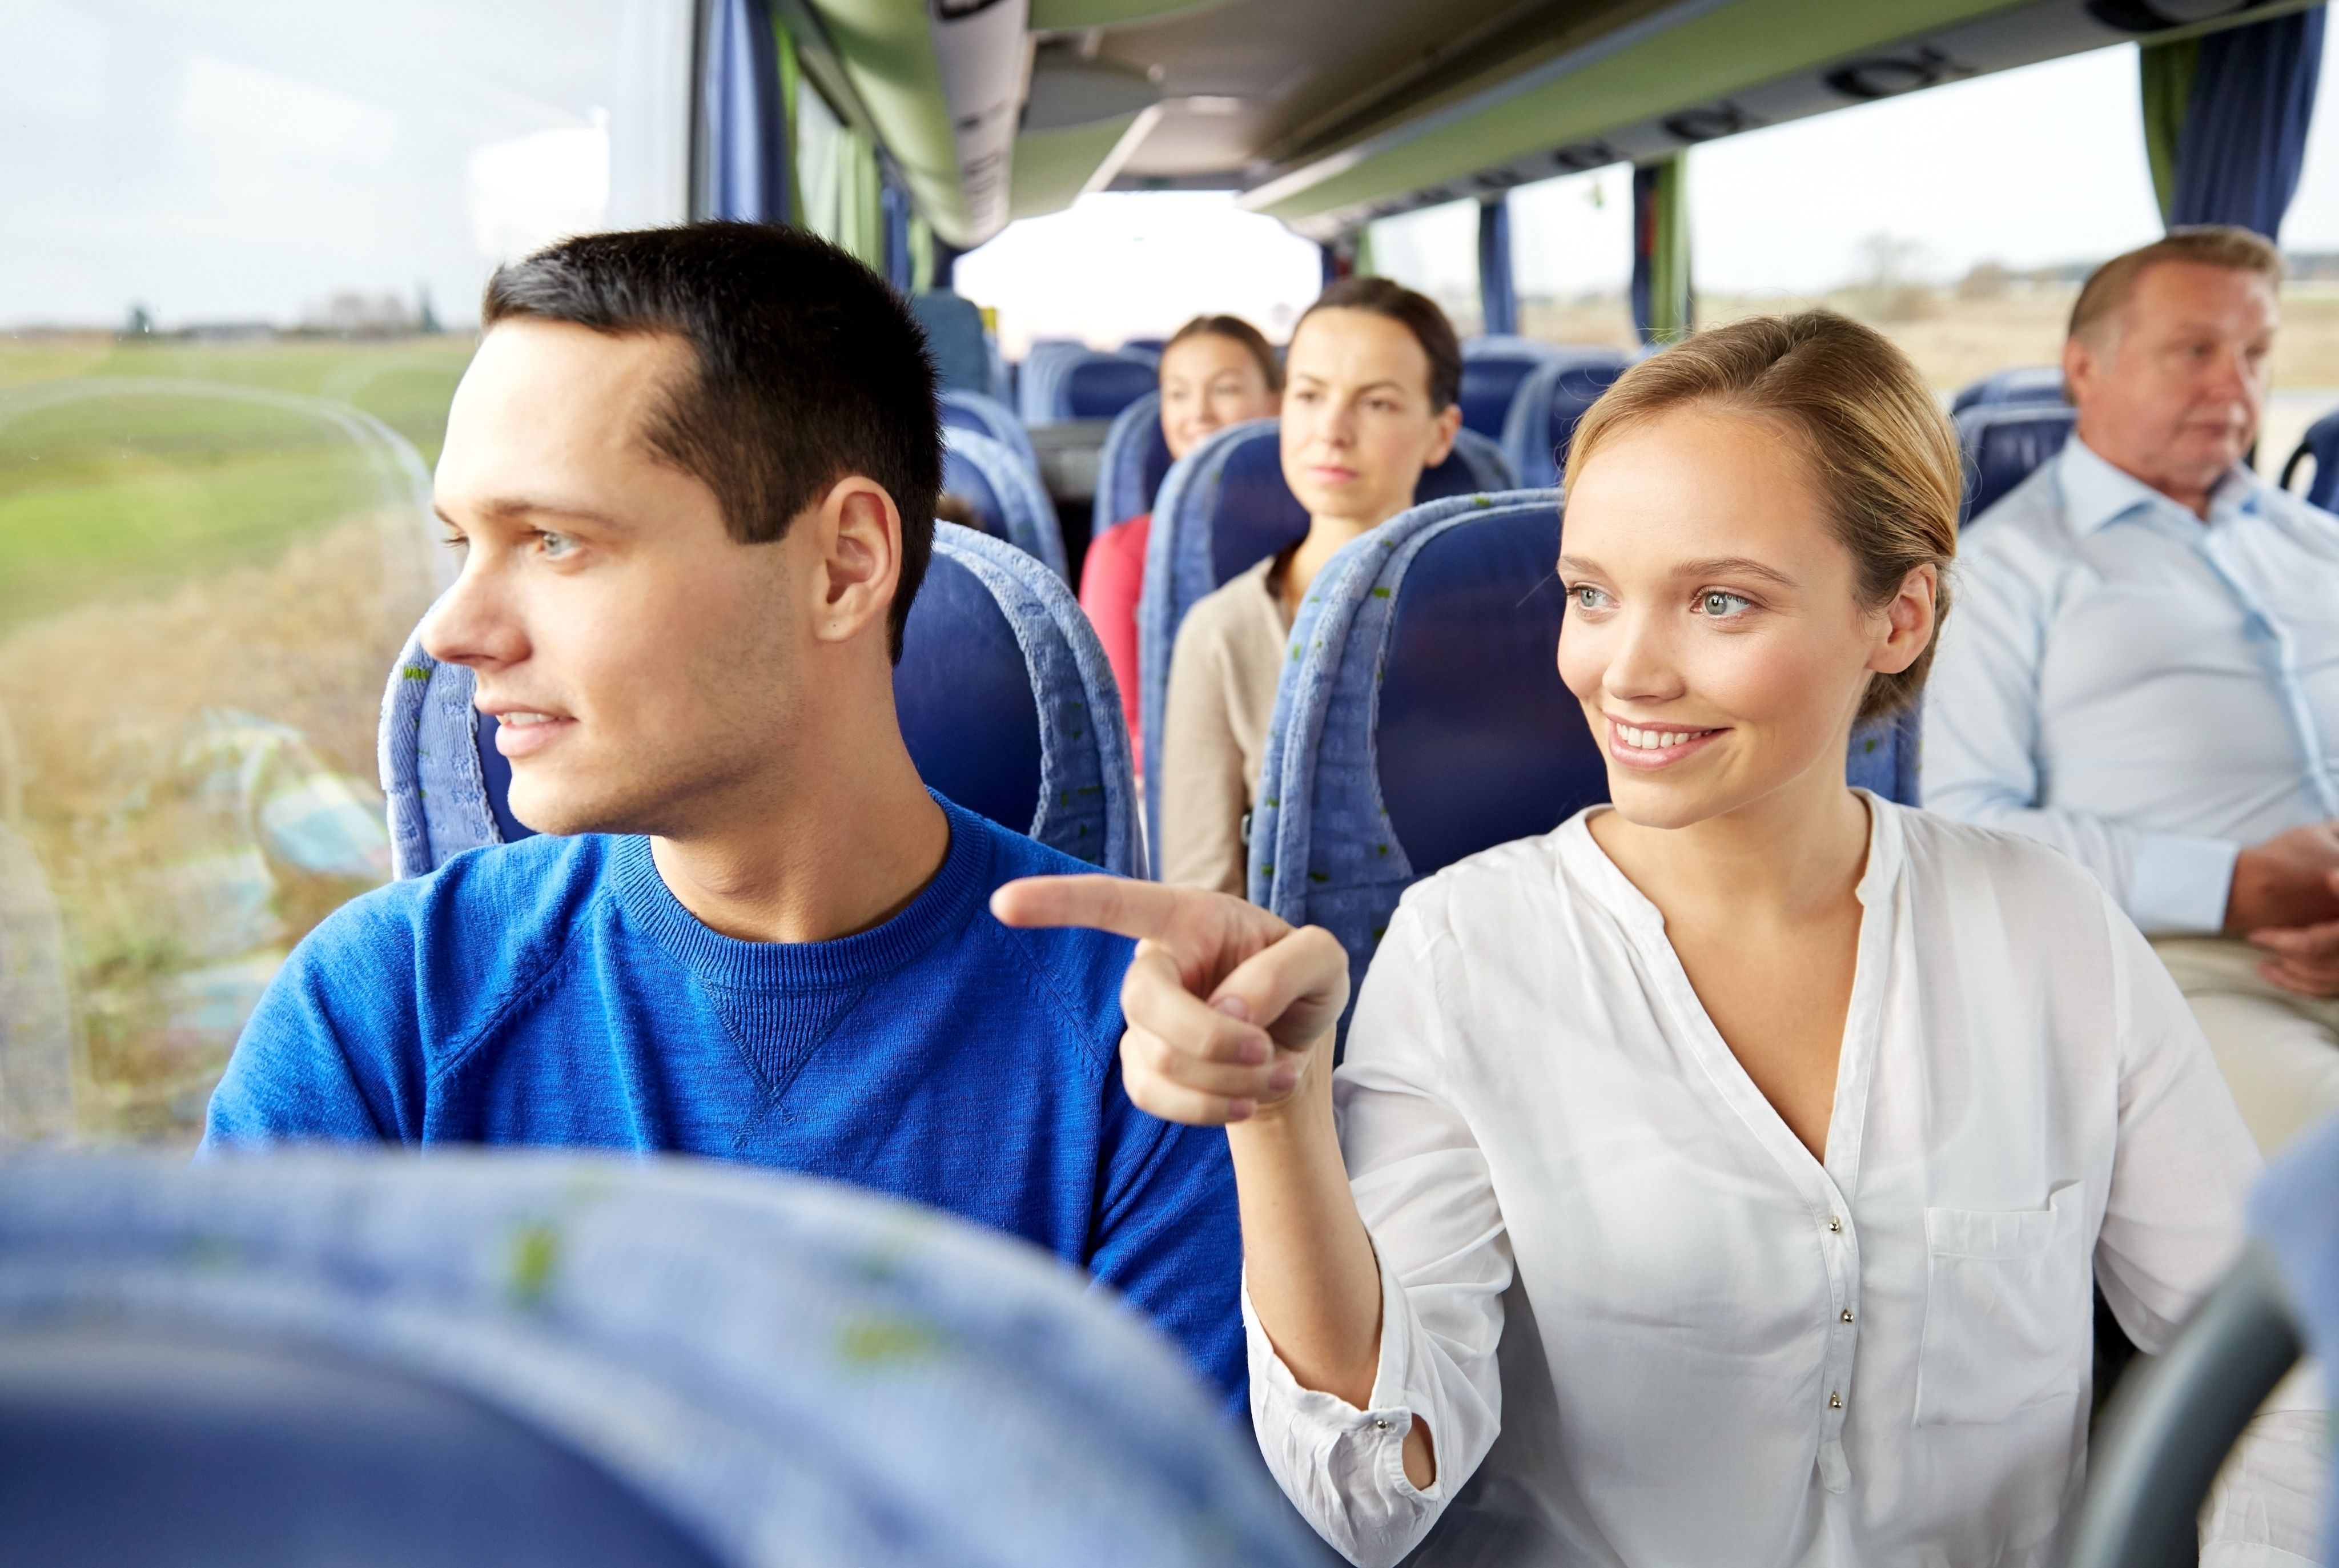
246	249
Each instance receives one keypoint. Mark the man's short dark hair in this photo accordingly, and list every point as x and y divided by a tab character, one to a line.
1416	313
810	369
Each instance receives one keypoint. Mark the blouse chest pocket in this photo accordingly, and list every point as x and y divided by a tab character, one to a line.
2006	1309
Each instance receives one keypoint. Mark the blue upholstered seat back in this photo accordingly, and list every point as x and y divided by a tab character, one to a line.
2321	448
1224	508
1134	462
1423	718
1494	368
1004	493
557	1360
1061	381
2017	384
987	416
1006	702
1552	399
2003	443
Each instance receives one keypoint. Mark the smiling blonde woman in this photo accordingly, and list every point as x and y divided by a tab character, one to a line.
1720	1177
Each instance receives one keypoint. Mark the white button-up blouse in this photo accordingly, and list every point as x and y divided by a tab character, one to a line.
1646	1328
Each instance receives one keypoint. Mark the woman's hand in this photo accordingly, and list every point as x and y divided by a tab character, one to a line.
1227	1004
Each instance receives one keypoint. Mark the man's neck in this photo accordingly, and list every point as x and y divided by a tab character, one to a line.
840	849
2195	498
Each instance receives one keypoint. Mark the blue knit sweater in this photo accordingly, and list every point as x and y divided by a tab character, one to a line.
554	991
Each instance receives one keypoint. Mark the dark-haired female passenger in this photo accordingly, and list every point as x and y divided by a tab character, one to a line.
1718	1179
1216	372
1370	387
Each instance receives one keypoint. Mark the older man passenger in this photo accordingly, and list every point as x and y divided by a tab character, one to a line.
2144	666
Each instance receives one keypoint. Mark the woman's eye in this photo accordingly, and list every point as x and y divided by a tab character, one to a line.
554	545
1714	602
1586	596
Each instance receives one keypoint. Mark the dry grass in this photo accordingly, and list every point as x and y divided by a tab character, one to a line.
1952	340
103	701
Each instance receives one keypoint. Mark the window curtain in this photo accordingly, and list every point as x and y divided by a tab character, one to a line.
894	214
1498	301
1661	306
745	133
2226	118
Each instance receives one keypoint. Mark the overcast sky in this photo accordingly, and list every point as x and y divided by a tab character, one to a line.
252	158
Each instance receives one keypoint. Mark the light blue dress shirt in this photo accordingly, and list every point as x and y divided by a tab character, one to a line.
2144	691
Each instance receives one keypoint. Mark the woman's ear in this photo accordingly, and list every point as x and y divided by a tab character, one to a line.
1909	621
1447	423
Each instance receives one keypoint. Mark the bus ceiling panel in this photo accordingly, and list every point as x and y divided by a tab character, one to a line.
942	86
1692	72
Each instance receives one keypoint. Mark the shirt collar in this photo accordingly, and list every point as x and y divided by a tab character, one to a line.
2096	494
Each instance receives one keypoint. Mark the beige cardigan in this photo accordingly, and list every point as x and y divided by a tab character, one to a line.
1222	680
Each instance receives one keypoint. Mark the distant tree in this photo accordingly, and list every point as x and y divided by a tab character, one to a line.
1985	281
141	324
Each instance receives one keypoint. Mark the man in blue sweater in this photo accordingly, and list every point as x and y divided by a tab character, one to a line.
691	475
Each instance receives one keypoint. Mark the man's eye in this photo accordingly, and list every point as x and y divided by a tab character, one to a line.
554	545
1714	602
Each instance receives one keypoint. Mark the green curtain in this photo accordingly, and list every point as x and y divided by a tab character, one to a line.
921	254
861	218
2166	73
791	75
1361	266
1672	311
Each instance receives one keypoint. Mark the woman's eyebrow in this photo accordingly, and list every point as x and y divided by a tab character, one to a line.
1734	566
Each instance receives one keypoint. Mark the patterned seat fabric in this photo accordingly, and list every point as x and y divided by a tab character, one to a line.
787	1370
1223	508
987	416
1549	402
2016	384
1130	469
1005	699
1493	367
1061	381
1421	718
2319	446
1004	493
2003	443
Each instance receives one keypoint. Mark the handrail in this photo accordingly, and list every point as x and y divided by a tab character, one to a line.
2172	1423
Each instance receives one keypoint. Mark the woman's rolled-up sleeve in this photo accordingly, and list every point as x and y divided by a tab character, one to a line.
1423	1188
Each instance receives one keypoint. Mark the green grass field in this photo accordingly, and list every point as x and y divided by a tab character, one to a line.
135	492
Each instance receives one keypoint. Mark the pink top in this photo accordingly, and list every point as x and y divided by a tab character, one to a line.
1111	581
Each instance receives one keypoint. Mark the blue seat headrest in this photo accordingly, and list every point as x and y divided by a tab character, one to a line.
1469	671
2016	384
2319	446
964	476
1489	382
2004	443
965	697
1099	386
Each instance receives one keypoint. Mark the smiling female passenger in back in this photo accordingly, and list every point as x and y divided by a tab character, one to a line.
1368	402
1720	1176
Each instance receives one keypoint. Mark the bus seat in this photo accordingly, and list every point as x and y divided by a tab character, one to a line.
2016	384
1222	509
955	338
2003	443
987	416
1493	367
1425	720
1552	398
531	1358
1148	348
1004	696
1101	386
1063	382
1134	462
2320	447
1005	494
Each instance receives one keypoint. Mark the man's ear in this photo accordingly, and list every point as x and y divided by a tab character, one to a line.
855	534
2079	367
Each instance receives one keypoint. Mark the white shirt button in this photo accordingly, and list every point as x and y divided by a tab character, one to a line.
1846	1315
1380	1423
1835	1401
1835	1223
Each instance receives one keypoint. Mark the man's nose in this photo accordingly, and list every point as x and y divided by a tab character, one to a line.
474	623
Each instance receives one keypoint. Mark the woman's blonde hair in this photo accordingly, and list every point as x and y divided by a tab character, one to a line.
1881	452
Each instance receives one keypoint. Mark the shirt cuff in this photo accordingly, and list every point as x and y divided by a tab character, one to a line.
1374	1436
2180	883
